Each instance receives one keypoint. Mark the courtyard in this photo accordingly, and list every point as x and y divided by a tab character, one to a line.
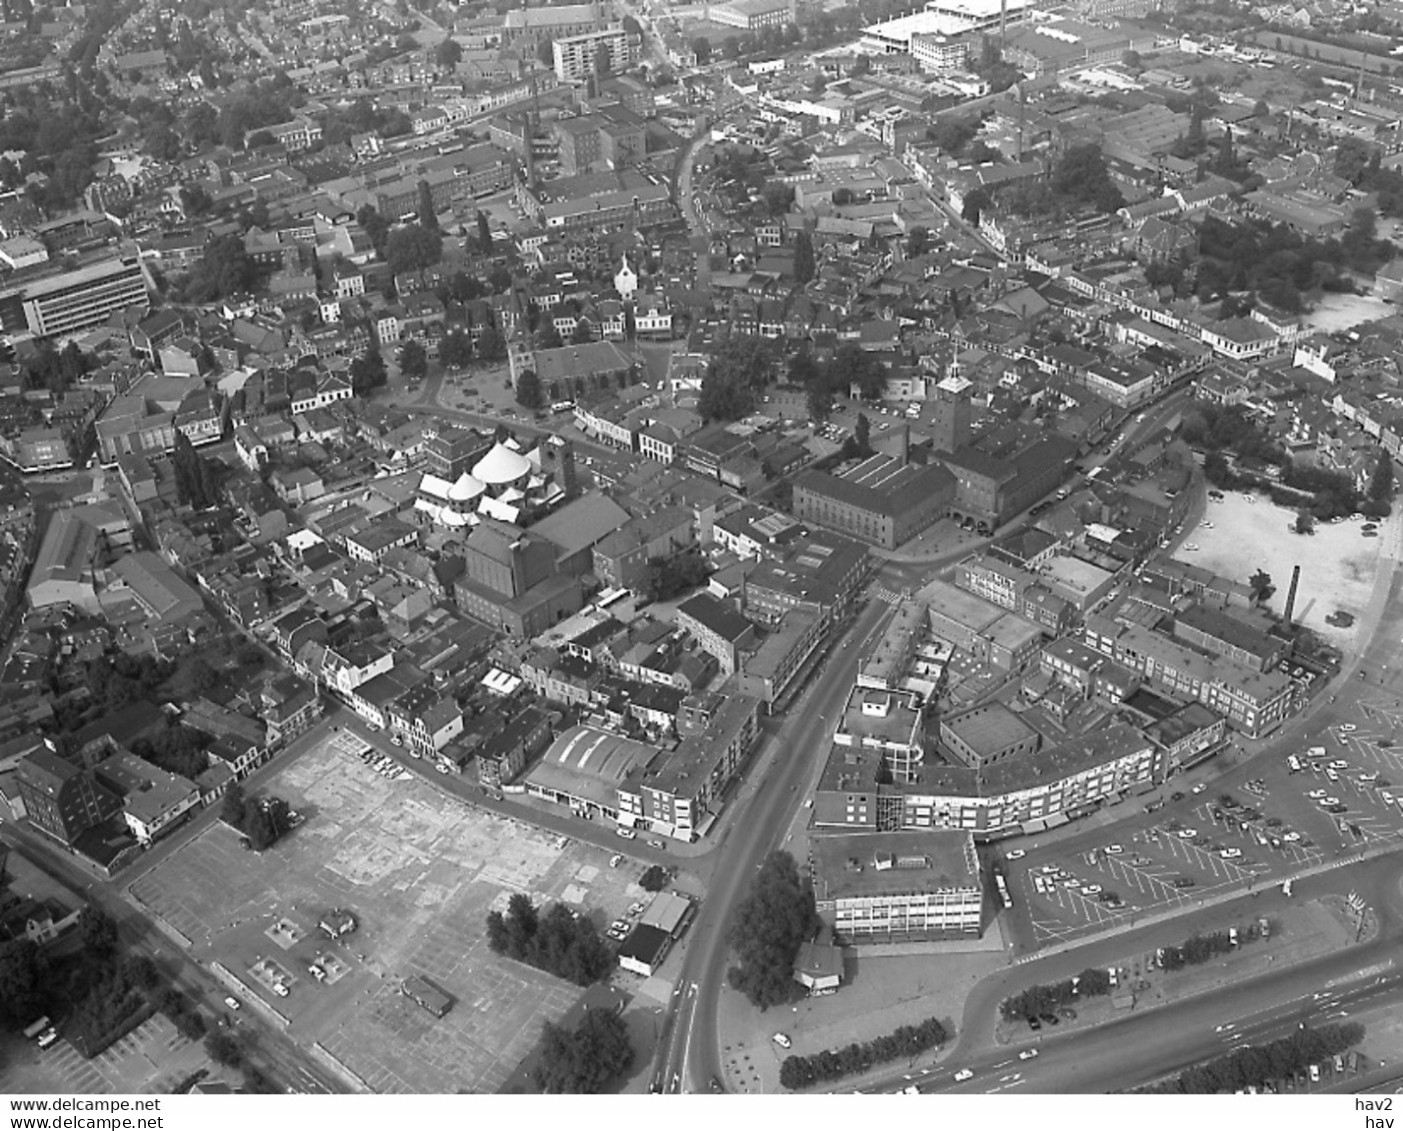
419	871
1338	563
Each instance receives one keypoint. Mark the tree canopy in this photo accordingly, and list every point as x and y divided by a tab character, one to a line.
739	368
556	941
588	1058
776	917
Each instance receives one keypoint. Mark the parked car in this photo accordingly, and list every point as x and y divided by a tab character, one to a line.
627	834
782	1040
1027	1054
232	1003
964	1074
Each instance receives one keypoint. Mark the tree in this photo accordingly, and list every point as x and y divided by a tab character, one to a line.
776	917
223	1048
547	336
528	389
701	47
975	203
448	53
778	198
1081	176
1381	485
1261	586
427	219
862	435
23	974
375	225
234	808
739	366
412	247
582	333
368	372
491	346
97	931
918	242
632	26
484	234
586	1060
413	361
1305	522
456	350
804	267
655	879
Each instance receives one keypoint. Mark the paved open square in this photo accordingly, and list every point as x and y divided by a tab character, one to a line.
419	871
1337	562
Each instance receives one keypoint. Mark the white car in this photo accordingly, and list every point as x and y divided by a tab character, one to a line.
1316	794
627	834
1190	547
782	1040
964	1074
1291	838
1327	802
1114	849
232	1002
1091	889
280	989
1027	1054
1187	834
1347	728
1016	854
1338	764
1199	788
1230	853
1205	525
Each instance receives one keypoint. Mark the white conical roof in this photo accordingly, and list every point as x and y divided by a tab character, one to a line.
501	465
466	489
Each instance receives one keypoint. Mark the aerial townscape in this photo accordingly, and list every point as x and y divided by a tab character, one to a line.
763	547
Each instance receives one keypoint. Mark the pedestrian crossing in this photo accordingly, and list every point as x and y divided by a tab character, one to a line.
890	596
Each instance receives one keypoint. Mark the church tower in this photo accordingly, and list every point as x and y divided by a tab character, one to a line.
950	421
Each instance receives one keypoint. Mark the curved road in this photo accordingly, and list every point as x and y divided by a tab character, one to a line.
689	1053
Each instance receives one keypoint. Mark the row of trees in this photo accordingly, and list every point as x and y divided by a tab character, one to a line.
556	941
906	1042
1257	1065
586	1059
774	920
1040	999
1198	949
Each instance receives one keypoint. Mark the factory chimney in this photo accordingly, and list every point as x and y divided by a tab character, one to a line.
1291	595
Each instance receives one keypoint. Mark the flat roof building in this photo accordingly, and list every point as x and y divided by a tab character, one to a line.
893	887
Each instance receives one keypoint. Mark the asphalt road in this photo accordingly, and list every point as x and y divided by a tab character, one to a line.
689	1051
1140	1048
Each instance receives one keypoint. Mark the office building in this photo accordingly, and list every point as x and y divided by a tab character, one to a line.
602	52
74	300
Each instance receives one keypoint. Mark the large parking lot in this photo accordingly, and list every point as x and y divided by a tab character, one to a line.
419	871
1261	823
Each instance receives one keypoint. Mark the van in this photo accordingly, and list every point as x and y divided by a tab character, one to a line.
1111	973
1232	936
1315	1074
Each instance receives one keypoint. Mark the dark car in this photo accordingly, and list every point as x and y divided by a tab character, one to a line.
1176	796
1184	882
1034	1023
1048	1018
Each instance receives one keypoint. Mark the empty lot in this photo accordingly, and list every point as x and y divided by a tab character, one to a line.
420	871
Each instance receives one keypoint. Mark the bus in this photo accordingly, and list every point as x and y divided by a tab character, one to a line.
1004	897
562	406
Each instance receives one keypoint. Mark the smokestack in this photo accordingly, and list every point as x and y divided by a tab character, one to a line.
1291	595
1003	23
903	452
